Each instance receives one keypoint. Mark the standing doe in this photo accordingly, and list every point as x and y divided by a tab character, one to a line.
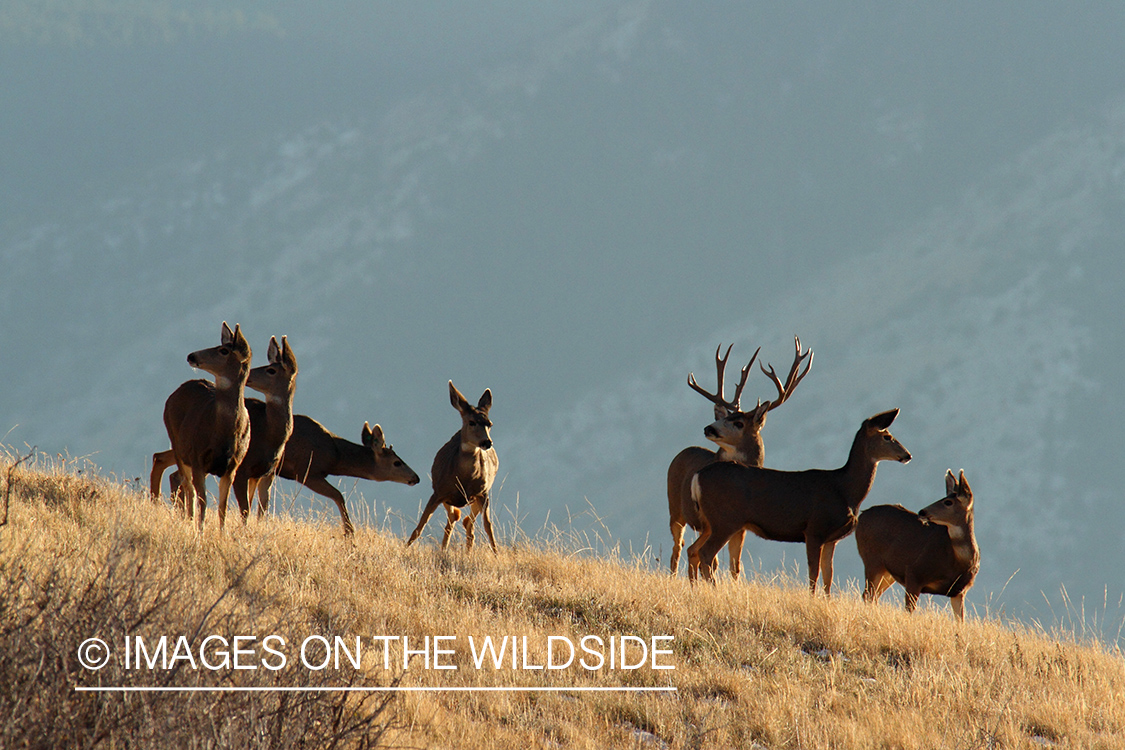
313	454
208	424
933	551
463	471
271	422
816	506
737	433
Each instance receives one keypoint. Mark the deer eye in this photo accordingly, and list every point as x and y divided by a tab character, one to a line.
272	371
224	351
739	425
948	503
472	423
398	463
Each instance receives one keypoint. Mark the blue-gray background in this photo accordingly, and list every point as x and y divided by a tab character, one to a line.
572	206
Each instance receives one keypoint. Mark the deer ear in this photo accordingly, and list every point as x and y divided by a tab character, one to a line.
950	482
365	435
883	421
227	335
964	488
485	402
287	354
376	433
455	398
274	352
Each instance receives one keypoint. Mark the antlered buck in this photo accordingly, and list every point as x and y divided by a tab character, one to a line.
933	551
313	454
271	422
208	424
737	433
816	506
463	471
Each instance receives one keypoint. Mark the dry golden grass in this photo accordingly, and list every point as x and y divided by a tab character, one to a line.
756	665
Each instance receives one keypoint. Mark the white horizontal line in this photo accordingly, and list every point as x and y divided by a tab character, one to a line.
253	689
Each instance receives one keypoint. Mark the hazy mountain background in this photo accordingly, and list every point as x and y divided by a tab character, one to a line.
573	206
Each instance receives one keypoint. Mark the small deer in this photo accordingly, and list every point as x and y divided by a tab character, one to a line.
208	424
313	454
463	471
933	551
816	506
271	422
737	433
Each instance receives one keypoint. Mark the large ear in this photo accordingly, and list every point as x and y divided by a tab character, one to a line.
950	483
240	342
883	421
227	335
455	398
274	353
485	402
963	486
287	355
372	436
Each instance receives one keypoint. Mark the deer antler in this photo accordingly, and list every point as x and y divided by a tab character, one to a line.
722	406
792	381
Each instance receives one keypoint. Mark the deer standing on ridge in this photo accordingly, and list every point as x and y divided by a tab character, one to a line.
933	551
271	422
463	471
737	433
816	506
313	454
208	424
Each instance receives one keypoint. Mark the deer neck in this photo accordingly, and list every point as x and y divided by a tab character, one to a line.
749	452
279	417
353	460
858	474
230	392
963	540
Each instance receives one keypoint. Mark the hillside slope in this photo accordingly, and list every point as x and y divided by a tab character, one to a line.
753	665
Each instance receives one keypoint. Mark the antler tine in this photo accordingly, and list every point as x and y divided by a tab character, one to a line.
793	379
742	380
717	398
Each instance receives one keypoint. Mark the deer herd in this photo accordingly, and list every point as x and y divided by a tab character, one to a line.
246	442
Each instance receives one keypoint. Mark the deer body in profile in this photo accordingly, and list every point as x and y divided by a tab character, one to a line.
463	471
208	424
933	551
737	433
816	506
313	454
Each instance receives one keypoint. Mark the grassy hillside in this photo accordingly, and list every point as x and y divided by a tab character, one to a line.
755	664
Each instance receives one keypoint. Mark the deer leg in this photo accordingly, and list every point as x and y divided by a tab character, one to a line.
453	515
734	547
243	492
176	486
875	584
826	553
225	482
264	494
160	463
694	553
431	506
706	555
486	517
198	480
322	486
677	528
812	553
958	603
251	490
468	522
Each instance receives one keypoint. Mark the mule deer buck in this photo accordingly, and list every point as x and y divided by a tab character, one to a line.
271	422
463	471
737	433
933	551
816	506
313	454
208	424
